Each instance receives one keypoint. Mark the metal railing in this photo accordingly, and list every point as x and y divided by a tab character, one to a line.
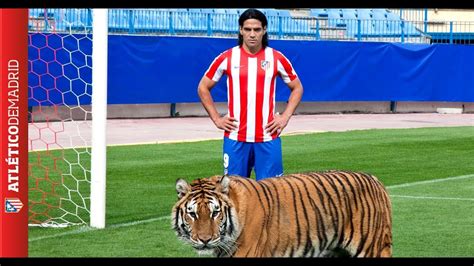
418	16
394	26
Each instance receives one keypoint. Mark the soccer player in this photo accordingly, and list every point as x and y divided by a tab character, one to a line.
252	128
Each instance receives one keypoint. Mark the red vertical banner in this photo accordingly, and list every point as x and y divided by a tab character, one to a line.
14	132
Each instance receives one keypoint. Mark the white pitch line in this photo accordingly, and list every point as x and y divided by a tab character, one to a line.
88	229
428	197
431	181
75	232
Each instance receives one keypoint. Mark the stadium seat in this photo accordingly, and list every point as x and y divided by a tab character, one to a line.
381	28
284	13
288	25
207	10
348	13
198	20
293	26
393	24
241	10
53	16
219	11
318	12
232	11
78	19
152	20
231	24
349	18
334	18
411	30
181	21
194	10
364	13
271	12
119	20
379	16
380	22
34	12
379	11
217	22
392	16
50	14
366	28
273	24
174	9
59	14
366	23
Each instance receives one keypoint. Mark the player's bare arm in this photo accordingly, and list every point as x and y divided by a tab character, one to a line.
281	121
204	91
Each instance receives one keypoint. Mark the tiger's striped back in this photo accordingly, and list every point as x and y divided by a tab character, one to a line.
317	214
321	214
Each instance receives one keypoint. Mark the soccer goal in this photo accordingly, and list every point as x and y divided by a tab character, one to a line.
67	108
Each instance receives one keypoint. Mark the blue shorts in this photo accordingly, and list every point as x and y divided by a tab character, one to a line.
264	157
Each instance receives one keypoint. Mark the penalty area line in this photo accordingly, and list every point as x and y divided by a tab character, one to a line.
430	198
431	181
86	229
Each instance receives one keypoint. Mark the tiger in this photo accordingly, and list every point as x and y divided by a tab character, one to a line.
313	214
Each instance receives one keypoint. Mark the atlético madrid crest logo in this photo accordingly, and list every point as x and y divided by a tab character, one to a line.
264	64
13	205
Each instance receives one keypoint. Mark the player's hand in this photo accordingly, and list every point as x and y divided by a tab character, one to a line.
226	123
278	123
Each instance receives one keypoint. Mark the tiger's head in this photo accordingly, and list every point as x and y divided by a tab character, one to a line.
204	215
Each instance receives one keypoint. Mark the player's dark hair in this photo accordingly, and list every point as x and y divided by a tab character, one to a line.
255	14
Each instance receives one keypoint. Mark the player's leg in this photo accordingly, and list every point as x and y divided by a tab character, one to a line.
236	158
268	159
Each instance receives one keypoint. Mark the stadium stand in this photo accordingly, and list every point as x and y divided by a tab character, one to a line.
338	24
149	21
78	19
293	26
334	18
273	19
364	13
119	20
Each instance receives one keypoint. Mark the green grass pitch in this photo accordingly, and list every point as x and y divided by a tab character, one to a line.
430	219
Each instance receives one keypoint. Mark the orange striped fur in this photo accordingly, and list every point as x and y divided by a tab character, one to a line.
318	214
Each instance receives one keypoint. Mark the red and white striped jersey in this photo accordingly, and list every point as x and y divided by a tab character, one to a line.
251	89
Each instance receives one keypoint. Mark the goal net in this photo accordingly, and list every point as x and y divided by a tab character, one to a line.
60	76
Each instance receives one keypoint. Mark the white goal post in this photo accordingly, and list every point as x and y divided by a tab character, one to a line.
67	115
99	117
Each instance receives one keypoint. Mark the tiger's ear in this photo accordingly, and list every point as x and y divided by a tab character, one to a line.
182	187
224	182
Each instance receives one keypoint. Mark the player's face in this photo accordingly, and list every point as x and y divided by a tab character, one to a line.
252	32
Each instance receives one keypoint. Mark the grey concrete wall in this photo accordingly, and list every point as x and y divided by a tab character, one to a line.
196	109
430	107
339	107
138	110
468	108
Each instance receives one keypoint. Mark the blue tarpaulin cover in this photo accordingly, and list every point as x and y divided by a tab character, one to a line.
166	69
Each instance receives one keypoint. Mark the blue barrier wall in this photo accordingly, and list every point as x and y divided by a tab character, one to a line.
150	69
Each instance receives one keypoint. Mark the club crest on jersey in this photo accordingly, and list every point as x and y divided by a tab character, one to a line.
264	64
